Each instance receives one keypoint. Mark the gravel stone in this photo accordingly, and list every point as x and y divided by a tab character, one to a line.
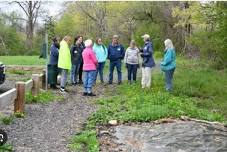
48	128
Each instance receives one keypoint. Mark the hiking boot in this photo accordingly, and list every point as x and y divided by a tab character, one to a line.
53	87
85	94
91	94
80	82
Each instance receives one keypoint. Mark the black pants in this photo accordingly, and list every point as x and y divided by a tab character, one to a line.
132	71
81	72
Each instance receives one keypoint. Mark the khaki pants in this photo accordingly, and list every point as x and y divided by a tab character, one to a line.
146	77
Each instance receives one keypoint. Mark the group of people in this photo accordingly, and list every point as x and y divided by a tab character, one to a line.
91	57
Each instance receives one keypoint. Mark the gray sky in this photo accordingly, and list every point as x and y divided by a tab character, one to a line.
52	7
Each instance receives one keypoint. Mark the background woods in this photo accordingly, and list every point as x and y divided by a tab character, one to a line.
197	29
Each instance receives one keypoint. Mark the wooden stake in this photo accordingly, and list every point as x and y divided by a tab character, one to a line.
36	84
44	86
19	102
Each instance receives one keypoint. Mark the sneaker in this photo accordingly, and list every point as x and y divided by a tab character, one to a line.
91	94
119	83
110	83
63	90
85	94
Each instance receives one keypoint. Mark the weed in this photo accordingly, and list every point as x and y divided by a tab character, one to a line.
6	148
7	120
43	97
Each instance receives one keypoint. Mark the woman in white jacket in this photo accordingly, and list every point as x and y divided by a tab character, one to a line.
132	61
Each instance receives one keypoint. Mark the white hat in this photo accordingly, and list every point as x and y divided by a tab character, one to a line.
147	36
88	43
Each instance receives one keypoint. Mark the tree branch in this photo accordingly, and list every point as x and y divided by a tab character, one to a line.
37	12
86	13
23	7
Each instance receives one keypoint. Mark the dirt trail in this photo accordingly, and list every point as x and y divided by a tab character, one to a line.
48	128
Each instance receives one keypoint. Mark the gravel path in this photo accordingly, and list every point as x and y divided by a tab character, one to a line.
48	128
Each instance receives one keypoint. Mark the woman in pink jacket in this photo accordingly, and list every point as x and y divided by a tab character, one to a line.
89	68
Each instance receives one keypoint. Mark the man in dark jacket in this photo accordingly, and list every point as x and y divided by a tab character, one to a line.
116	53
76	58
53	63
148	61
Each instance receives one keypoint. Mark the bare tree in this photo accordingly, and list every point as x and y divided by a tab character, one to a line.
31	10
96	13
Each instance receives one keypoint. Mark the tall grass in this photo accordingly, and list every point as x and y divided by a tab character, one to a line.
22	60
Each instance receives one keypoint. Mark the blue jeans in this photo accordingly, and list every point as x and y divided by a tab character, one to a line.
63	77
89	79
132	71
116	64
74	72
100	68
169	78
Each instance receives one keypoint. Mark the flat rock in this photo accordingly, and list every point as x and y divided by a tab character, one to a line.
177	136
181	136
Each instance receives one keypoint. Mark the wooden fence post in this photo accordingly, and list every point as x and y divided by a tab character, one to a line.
20	99
36	84
44	79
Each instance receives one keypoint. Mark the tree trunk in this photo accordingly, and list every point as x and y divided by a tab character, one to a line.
29	37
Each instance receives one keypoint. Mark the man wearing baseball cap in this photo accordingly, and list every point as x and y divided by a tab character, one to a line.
148	61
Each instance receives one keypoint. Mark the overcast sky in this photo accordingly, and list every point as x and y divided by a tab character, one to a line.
52	7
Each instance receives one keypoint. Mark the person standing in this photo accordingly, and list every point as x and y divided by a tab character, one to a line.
101	55
115	55
81	65
76	58
53	63
64	61
148	61
132	61
168	63
89	68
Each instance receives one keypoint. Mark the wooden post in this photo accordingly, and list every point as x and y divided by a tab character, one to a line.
36	84
19	102
44	79
41	81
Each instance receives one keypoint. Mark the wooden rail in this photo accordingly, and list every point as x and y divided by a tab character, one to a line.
17	94
8	98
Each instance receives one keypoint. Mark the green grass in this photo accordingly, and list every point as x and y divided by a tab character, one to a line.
199	92
18	72
44	97
22	60
6	148
85	141
7	120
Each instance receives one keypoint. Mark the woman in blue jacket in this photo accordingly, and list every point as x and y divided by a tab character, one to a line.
168	64
53	63
101	55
